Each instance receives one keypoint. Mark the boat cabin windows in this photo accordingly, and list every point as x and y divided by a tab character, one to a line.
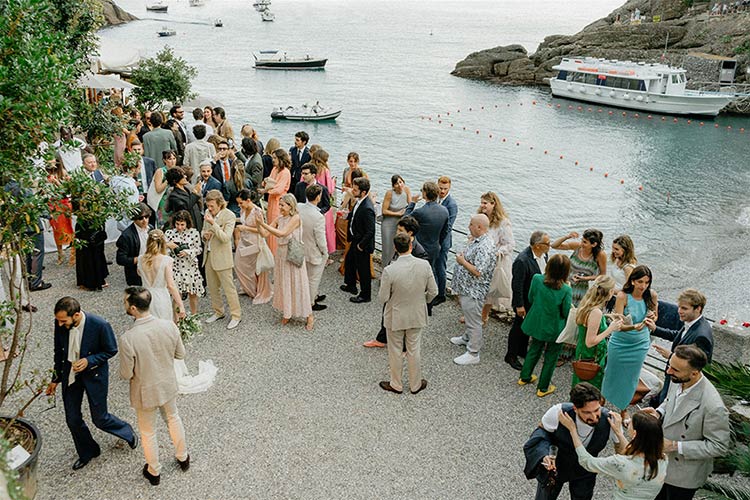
602	80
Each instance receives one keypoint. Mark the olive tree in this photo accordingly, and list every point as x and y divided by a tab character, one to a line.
164	77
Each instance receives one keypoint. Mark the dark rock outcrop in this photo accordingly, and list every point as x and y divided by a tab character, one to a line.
680	30
114	15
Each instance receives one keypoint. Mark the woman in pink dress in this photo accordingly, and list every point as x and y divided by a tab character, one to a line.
291	288
281	178
320	159
255	286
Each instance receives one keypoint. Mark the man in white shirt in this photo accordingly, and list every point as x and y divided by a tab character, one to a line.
314	238
69	148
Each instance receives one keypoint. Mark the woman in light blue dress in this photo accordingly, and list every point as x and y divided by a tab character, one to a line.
628	347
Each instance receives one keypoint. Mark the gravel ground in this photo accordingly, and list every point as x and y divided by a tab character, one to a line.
297	414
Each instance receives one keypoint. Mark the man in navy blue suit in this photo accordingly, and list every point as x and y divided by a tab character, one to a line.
361	235
433	224
91	167
83	344
446	200
299	154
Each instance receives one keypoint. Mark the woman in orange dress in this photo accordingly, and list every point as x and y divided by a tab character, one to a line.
281	178
61	210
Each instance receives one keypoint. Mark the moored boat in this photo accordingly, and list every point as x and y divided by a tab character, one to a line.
157	7
197	3
260	5
306	113
652	87
267	15
277	59
167	31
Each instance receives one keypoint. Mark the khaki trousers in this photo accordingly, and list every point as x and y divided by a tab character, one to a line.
146	424
225	280
413	337
314	274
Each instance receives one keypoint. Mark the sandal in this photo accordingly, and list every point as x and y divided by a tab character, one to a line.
310	324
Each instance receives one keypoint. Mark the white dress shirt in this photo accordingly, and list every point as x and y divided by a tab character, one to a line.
74	346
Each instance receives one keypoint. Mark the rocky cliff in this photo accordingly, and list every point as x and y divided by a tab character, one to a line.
114	15
681	29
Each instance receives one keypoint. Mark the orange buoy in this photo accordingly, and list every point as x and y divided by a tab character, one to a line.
490	136
561	157
624	113
469	109
518	144
477	132
611	112
674	120
451	124
701	124
599	110
503	139
591	169
482	107
729	127
558	105
649	117
606	174
570	107
430	118
449	113
662	118
622	181
533	103
440	121
689	122
589	110
635	115
742	130
545	151
640	188
531	147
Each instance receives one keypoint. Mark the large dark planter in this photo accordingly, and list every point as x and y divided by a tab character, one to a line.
27	470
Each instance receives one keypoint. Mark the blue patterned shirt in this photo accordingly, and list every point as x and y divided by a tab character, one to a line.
482	254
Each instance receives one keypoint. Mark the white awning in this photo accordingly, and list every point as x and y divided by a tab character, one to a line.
96	81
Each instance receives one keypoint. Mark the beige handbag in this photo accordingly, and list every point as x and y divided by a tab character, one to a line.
500	287
569	333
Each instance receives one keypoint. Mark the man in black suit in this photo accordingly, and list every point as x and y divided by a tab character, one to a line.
433	223
533	260
361	234
148	168
83	344
299	154
132	244
309	178
177	114
406	225
695	330
223	162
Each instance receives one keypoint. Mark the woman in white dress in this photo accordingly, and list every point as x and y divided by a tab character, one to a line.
501	233
623	262
640	471
155	269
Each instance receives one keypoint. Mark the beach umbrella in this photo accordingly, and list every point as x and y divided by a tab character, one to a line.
96	81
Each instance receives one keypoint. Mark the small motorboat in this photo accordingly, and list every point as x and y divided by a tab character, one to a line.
218	23
157	7
267	15
167	32
277	59
314	113
197	3
261	5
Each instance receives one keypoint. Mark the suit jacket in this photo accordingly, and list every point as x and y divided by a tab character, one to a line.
147	360
156	142
699	421
433	226
313	233
210	184
98	175
149	167
254	170
98	344
128	247
296	169
524	268
406	286
218	170
196	152
219	247
325	197
186	199
361	229
699	333
449	203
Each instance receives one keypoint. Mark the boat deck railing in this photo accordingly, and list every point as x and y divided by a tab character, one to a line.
736	89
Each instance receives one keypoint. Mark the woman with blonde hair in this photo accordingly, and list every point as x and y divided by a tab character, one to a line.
592	327
276	185
320	160
155	269
291	288
501	233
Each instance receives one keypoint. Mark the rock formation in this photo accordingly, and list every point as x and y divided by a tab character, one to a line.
114	15
681	29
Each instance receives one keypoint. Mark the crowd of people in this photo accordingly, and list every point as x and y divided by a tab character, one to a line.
227	216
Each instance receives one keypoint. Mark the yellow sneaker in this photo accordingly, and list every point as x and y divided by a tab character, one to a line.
533	379
550	390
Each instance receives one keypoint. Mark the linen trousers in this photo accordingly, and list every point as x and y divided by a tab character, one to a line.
222	279
147	423
314	274
472	309
551	351
413	338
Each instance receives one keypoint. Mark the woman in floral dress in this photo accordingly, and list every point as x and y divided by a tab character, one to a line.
185	242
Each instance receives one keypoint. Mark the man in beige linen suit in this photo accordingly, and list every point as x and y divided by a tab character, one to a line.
314	238
695	423
406	287
147	354
218	225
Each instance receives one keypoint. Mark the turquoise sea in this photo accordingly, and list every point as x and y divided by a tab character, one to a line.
389	68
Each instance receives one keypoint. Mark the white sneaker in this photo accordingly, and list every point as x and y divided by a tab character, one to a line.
467	358
233	324
459	340
214	318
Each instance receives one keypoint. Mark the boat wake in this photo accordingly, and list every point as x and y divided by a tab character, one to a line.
744	217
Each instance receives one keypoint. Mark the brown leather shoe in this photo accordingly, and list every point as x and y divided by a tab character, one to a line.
386	386
421	387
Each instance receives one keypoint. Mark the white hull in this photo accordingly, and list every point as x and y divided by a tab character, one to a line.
686	104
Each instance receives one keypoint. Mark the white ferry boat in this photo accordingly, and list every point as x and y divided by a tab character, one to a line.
652	87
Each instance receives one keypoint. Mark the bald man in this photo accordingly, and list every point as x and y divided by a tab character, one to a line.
471	282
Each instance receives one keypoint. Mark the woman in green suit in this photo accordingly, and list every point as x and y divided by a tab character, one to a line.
550	297
592	327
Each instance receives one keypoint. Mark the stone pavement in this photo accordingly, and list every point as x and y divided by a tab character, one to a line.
297	414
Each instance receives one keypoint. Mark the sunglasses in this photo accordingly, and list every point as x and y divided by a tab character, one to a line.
141	217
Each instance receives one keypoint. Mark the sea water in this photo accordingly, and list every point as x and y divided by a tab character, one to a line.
680	190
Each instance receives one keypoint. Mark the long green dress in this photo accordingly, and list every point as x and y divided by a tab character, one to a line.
598	353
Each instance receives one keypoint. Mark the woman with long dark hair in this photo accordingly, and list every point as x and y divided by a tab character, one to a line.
640	471
550	298
628	347
181	198
394	207
276	185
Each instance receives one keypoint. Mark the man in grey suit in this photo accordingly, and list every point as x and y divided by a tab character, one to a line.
433	222
314	238
406	286
695	423
147	355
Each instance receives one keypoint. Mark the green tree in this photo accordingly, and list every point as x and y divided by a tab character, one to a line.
165	77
